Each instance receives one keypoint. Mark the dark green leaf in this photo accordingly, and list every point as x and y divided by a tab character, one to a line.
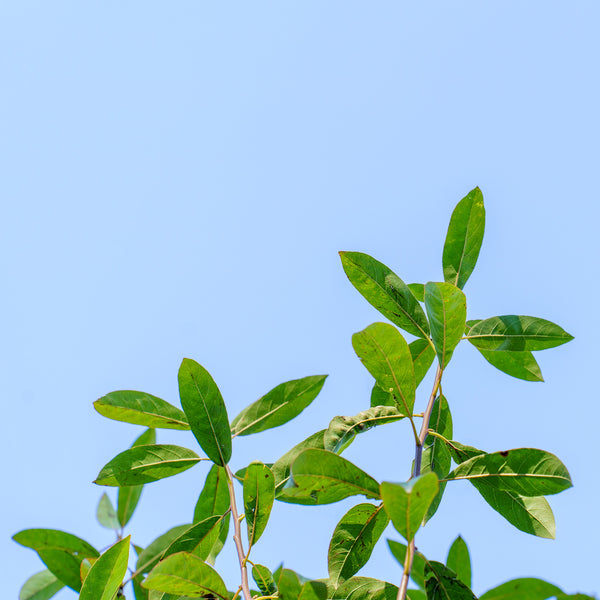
459	560
106	575
521	365
365	588
384	290
289	585
154	551
205	410
278	406
353	541
106	514
522	589
461	453
145	464
442	584
218	545
416	595
417	573
41	586
64	565
422	353
198	539
464	238
313	590
140	408
214	497
259	495
264	580
139	592
379	397
447	311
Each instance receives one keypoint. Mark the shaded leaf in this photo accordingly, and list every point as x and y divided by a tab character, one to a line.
218	545
417	573
366	588
522	589
289	585
259	495
313	590
442	584
106	514
416	595
422	353
155	550
214	497
459	560
106	575
379	397
264	580
139	592
198	539
41	586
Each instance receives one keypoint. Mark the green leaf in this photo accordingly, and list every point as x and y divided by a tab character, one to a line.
442	584
140	408
517	333
145	464
384	290
524	471
218	545
366	588
186	574
353	541
418	291
313	590
289	585
407	503
214	497
198	539
205	410
106	514
139	592
323	477
521	365
464	238
41	586
259	495
459	560
386	355
422	354
264	580
522	589
417	573
106	575
150	556
278	406
379	397
461	453
416	595
447	311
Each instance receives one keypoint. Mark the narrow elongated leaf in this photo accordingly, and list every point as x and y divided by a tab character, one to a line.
140	408
145	464
366	588
464	238
422	353
322	477
214	497
459	560
384	290
106	575
407	503
442	584
278	406
353	541
150	556
106	513
53	539
523	471
386	355
198	539
41	586
264	580
259	495
447	311
205	410
188	575
218	545
417	573
527	588
517	333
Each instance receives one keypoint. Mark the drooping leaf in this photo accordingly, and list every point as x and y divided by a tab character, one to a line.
417	573
386	355
313	590
106	575
517	333
140	408
156	549
214	497
459	560
145	464
527	588
464	238
186	574
198	539
278	406
204	407
366	588
289	585
442	584
384	290
264	580
524	471
106	513
407	503
41	586
353	541
447	311
422	353
259	495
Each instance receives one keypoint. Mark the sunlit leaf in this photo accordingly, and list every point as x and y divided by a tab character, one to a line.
313	590
198	539
106	575
264	579
442	584
106	513
366	588
259	495
418	290
521	365
527	588
214	497
155	550
459	560
41	586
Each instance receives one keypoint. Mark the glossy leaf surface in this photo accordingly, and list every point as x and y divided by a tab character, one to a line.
106	513
107	573
264	580
442	584
366	588
155	550
259	495
417	573
459	560
527	588
41	586
214	497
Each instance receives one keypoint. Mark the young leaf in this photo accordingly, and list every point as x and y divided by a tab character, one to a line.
106	514
41	586
205	410
447	311
214	497
106	575
459	560
259	495
145	464
417	573
366	588
186	574
150	556
524	471
264	580
278	406
528	588
384	290
442	584
407	503
464	238
140	408
353	541
422	355
386	355
517	333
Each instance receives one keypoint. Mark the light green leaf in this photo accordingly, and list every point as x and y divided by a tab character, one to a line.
386	355
523	471
322	477
517	333
313	590
140	408
527	588
464	238
422	353
459	560
205	410
442	584
407	503
447	311
106	575
417	573
259	495
353	541
150	556
145	464
384	290
278	406
41	586
214	497
106	514
418	291
289	585
186	574
264	580
379	397
416	595
366	588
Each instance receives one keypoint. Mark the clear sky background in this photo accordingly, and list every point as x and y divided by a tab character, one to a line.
177	179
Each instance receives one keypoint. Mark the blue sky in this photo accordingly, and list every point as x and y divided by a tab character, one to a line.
177	179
